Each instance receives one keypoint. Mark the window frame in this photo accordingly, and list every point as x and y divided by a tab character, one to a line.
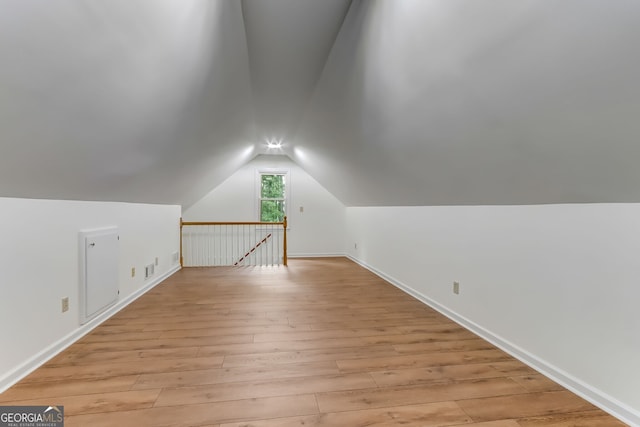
258	190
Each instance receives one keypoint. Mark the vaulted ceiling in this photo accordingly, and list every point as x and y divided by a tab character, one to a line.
384	102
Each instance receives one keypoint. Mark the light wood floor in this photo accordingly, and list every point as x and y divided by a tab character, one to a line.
320	343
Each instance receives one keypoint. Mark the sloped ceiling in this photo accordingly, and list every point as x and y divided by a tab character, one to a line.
384	102
122	100
456	102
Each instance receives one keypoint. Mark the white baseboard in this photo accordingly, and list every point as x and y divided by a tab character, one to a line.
316	255
54	349
598	398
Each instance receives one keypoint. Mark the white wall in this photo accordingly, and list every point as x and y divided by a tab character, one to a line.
39	265
319	230
557	285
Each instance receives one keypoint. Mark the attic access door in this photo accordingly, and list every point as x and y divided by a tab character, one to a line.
98	271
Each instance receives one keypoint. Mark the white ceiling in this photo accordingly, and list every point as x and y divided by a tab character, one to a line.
384	102
288	43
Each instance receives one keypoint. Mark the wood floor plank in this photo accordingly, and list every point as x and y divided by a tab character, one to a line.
286	346
324	334
536	382
524	405
110	369
433	414
70	387
434	346
239	330
197	415
501	423
256	389
215	376
80	357
513	368
332	314
102	402
423	393
415	376
350	324
423	361
106	336
187	324
304	356
352	319
575	419
320	343
399	338
117	345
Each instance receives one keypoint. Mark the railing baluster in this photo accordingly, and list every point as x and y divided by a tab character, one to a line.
211	253
232	243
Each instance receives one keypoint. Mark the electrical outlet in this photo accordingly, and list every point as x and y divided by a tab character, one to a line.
175	257
133	272
148	271
355	246
156	260
456	288
65	304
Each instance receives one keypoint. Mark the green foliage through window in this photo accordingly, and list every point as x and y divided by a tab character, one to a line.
272	198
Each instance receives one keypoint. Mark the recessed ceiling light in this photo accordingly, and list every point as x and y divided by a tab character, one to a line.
273	143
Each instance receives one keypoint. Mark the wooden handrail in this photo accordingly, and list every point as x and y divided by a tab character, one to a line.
231	223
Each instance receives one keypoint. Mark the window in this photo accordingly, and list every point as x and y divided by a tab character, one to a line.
273	196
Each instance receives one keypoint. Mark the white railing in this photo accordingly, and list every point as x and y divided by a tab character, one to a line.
208	244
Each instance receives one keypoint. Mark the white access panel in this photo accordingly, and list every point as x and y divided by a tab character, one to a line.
99	264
